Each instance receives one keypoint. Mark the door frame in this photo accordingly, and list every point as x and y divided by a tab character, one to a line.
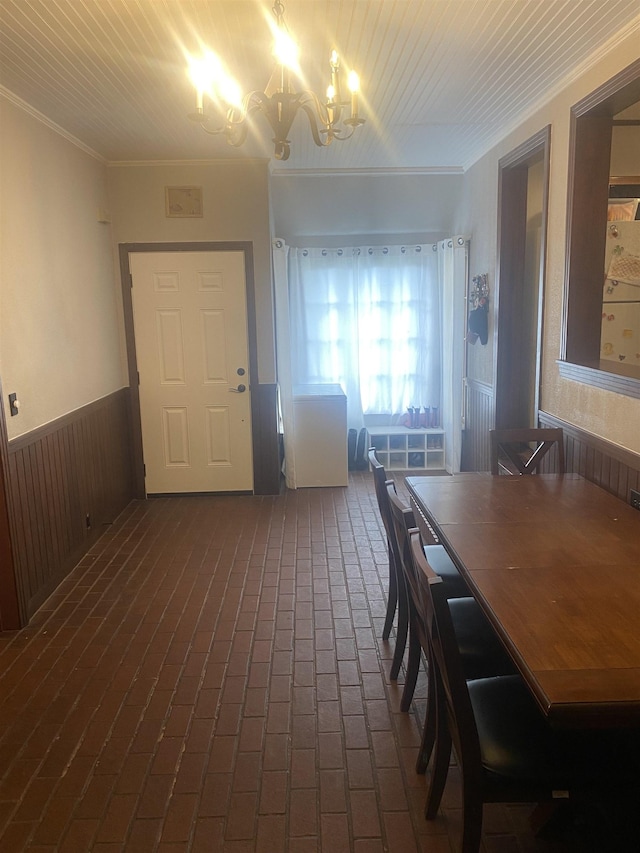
125	249
12	610
513	172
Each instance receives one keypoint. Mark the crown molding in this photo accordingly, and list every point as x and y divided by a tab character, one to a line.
8	95
370	172
221	161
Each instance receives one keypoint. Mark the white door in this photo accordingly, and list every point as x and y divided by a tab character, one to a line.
190	321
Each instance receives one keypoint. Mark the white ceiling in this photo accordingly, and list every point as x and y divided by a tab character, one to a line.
442	80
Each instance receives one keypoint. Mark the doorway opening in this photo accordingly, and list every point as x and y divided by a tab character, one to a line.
523	188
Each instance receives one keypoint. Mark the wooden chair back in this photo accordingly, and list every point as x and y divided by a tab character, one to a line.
403	521
452	695
396	596
379	481
456	720
521	451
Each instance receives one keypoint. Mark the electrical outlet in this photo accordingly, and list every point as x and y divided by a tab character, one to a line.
634	499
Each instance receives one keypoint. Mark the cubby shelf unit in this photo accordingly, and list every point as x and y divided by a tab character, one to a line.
405	449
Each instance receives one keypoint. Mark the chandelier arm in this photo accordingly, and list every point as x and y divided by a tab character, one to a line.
204	121
250	103
341	134
330	128
236	133
213	131
315	130
307	98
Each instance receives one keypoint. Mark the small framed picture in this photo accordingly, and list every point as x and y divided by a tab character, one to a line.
183	201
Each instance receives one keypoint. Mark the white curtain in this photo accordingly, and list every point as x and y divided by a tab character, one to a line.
367	318
453	275
280	256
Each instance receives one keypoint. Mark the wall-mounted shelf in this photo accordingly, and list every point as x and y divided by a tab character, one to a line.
404	449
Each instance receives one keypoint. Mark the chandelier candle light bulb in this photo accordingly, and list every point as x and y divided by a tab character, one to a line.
331	97
335	65
210	78
353	82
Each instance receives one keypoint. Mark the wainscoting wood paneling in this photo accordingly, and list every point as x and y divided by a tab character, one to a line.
613	468
9	602
267	462
66	481
479	420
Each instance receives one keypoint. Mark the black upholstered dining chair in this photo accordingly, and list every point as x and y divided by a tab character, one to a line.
478	644
397	596
379	480
521	451
505	749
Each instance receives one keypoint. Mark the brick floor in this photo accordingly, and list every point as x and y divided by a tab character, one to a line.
211	678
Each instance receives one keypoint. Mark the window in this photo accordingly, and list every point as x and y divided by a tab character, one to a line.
369	319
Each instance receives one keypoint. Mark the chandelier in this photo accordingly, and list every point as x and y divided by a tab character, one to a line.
330	118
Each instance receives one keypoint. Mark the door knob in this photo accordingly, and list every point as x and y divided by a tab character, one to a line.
239	390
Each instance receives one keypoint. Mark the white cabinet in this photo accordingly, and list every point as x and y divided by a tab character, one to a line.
404	449
320	440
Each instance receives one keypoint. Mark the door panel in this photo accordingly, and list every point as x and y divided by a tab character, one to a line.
190	323
170	347
218	436
176	437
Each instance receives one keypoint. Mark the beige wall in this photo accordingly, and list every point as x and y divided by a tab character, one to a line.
235	208
625	151
612	416
477	218
369	209
59	335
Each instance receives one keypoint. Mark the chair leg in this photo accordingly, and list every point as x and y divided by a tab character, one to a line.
439	768
471	817
392	599
413	668
402	630
429	728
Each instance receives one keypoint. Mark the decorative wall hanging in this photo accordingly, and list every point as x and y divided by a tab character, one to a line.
478	323
183	201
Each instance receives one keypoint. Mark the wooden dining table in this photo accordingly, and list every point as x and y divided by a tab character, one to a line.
554	561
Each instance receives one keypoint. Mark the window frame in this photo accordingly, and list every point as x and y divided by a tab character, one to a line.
587	197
